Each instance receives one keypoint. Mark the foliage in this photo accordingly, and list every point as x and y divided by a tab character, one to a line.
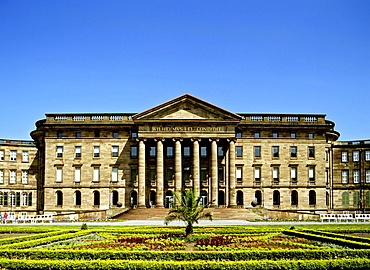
188	208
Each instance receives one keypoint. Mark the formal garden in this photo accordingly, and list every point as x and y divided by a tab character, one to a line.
168	247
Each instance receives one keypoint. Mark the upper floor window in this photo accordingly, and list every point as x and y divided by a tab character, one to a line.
311	174
152	151
134	152
96	151
257	135
292	135
78	151
275	151
311	152
59	177
13	155
367	175
275	173
186	151
238	134
293	174
134	134
78	134
203	151
257	151
169	151
77	174
114	174
356	176
356	155
345	177
59	134
239	174
114	151
25	156
1	176
220	151
275	135
311	135
1	154
96	174
25	177
293	151
115	134
59	151
367	155
257	174
97	133
239	151
344	156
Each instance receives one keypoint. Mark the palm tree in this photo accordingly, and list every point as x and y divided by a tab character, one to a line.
187	208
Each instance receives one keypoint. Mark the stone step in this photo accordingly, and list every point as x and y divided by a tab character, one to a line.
161	213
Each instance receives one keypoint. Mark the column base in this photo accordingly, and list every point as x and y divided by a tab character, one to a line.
141	206
213	206
232	206
159	206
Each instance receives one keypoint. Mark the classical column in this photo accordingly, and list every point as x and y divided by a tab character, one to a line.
214	173
141	195
232	175
178	165
196	166
160	173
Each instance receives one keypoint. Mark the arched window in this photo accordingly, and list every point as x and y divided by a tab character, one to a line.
152	197
96	197
345	198
78	197
294	197
24	199
133	198
276	198
59	195
239	198
221	198
312	197
12	198
114	197
258	197
356	198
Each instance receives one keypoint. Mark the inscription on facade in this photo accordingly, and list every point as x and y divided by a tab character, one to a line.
187	129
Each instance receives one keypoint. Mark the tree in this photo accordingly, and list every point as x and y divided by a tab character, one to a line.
188	208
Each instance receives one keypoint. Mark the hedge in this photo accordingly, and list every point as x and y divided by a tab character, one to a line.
192	265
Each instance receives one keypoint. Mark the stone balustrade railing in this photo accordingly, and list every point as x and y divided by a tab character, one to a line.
95	118
17	142
283	118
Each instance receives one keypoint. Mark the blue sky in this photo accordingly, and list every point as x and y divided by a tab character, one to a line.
128	56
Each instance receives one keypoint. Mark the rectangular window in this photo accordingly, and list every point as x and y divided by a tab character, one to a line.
114	174
115	134
327	177
169	151
344	156
275	135
203	151
5	198
13	177
97	133
133	152
293	151
1	176
356	155
78	151
186	174
186	151
1	155
238	134
345	177
275	151
77	174
356	176
114	151
292	135
59	151
78	134
293	174
13	155
24	199
133	174
220	151
221	174
257	135
25	156
311	174
152	151
203	174
96	151
239	151
257	151
367	176
152	172
239	174
60	134
257	174
367	155
311	152
311	135
275	174
169	174
24	177
59	174
96	174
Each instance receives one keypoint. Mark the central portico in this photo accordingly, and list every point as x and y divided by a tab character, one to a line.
186	143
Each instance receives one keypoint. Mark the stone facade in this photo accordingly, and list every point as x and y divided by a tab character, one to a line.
100	163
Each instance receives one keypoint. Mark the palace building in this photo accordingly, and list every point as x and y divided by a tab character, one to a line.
106	163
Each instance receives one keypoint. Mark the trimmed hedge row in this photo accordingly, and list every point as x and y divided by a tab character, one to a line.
279	254
342	236
342	242
31	237
42	241
193	265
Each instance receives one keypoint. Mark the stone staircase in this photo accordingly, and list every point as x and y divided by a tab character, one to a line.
161	213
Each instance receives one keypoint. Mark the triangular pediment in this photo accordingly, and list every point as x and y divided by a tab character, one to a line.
186	107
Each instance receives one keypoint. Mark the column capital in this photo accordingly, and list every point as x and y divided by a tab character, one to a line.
232	140
159	139
141	139
214	139
195	139
177	139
